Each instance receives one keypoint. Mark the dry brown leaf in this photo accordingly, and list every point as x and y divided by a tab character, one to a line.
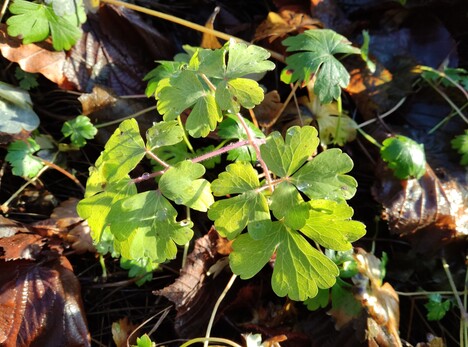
98	99
40	305
21	246
208	40
79	236
432	211
268	108
380	301
121	330
286	21
35	58
193	291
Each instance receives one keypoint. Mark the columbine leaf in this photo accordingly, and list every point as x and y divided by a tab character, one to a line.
244	60
436	308
287	203
238	178
122	153
16	110
404	156
238	92
331	226
299	268
26	80
79	129
460	143
324	176
34	22
164	133
231	216
165	70
20	156
185	91
181	183
144	225
284	157
317	58
96	208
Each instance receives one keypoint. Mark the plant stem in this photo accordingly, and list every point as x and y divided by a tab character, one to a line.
188	24
225	149
64	172
369	138
215	308
382	116
285	104
133	115
211	339
184	135
463	313
443	75
450	102
339	106
446	119
254	144
157	159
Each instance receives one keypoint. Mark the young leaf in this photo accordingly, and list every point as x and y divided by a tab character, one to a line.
34	22
144	225
288	205
182	185
185	91
144	341
436	308
460	143
232	215
143	267
317	49
20	156
26	80
324	176
404	156
239	177
79	129
164	133
284	157
299	268
331	226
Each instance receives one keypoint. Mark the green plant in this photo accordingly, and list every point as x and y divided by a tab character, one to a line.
275	210
34	22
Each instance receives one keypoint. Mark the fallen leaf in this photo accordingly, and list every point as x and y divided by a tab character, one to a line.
21	246
65	217
209	40
193	291
34	58
430	210
380	301
121	330
286	21
98	99
40	305
116	50
268	108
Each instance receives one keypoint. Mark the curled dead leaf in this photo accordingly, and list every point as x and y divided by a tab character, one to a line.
40	305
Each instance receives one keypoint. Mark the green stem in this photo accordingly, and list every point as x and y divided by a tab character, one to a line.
211	339
285	104
186	139
369	138
339	106
443	75
446	119
186	246
103	266
382	116
463	313
216	306
450	102
133	115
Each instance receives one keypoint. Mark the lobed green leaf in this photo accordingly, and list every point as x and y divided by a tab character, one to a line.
164	133
299	268
181	184
284	157
330	225
79	129
144	225
287	205
239	177
20	156
324	176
